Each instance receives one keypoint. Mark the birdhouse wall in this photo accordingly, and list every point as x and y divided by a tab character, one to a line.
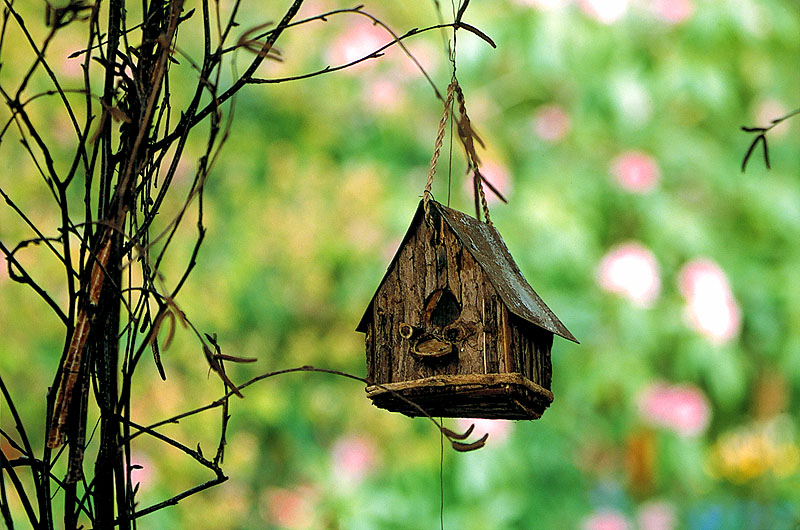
433	260
529	347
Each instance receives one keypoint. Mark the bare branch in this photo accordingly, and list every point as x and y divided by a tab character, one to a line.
761	138
18	273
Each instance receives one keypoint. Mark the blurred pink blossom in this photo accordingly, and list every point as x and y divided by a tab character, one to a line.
142	471
656	515
711	308
605	11
390	249
427	54
384	95
289	508
606	519
357	41
681	408
673	11
768	110
353	457
551	123
630	270
495	173
498	430
636	171
71	67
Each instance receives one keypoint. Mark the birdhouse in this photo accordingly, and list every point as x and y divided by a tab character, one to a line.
455	328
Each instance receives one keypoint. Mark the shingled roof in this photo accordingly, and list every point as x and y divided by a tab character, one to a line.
488	249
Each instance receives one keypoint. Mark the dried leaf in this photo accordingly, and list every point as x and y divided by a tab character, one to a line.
476	31
217	367
235	359
157	360
491	187
465	448
171	332
451	435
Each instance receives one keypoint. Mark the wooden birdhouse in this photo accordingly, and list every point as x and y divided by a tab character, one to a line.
455	328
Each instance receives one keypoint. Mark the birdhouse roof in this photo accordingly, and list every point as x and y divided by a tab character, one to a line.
490	252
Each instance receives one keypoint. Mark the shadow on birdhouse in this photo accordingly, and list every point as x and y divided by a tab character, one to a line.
455	328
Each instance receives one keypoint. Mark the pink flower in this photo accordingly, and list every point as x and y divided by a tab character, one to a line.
681	408
495	173
656	515
673	11
605	11
142	471
358	40
768	110
606	519
72	67
427	54
498	430
353	458
390	249
384	95
551	123
636	171
630	270
289	508
711	308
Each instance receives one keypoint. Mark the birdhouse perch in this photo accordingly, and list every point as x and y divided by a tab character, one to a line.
455	328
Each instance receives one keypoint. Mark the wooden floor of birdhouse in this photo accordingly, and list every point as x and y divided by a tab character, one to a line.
491	396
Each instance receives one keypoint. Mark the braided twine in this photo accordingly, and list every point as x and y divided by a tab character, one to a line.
466	135
438	145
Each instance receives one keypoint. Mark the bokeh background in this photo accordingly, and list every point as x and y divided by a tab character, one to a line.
613	128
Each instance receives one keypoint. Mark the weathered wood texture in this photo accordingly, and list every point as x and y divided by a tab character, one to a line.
431	262
440	333
492	396
530	345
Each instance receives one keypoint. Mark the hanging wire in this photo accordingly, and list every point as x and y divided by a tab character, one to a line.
443	33
450	51
441	478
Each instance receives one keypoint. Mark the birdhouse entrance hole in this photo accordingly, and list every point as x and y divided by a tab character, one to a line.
442	308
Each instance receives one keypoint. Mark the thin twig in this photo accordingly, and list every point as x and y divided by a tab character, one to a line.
761	138
455	439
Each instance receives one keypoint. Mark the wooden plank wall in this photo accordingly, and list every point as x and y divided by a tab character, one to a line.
531	345
370	348
543	344
434	259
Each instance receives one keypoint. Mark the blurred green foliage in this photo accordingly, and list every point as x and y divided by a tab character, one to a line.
317	185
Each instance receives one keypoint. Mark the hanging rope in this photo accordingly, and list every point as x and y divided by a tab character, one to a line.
468	137
438	145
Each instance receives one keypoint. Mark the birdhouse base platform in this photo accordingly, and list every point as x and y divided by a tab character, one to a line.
491	396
